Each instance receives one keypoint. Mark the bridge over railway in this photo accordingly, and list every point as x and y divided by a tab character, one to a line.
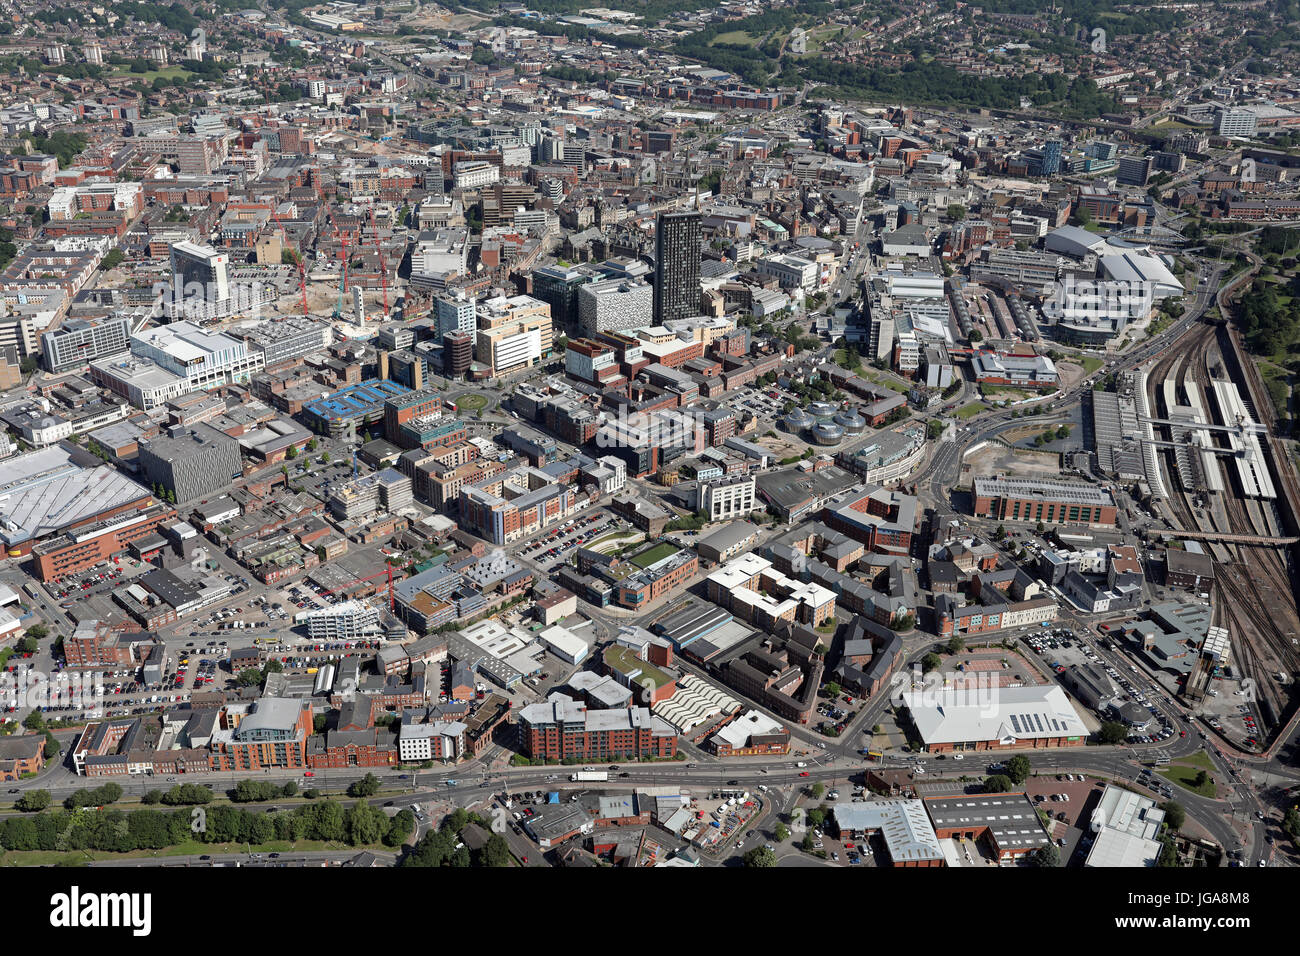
1247	539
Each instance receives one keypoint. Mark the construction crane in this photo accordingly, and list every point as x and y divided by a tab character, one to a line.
343	237
302	271
343	278
379	251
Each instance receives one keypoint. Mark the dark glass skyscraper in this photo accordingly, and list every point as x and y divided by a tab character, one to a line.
677	266
1051	157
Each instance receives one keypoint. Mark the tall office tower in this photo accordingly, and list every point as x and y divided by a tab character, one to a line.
457	353
677	266
199	271
1051	157
454	314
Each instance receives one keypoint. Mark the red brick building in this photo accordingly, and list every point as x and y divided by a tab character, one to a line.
75	551
20	755
273	733
1048	501
562	727
96	644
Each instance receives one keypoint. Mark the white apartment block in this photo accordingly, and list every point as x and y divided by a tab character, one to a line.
727	498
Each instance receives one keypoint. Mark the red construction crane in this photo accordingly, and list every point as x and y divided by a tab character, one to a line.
343	278
383	268
302	272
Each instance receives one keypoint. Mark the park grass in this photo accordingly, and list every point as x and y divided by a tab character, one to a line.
188	848
167	73
741	37
1090	363
615	536
1001	392
471	403
1183	772
968	411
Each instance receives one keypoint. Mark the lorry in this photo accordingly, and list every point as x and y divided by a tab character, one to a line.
589	776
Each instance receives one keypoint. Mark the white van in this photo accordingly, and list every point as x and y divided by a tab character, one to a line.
801	765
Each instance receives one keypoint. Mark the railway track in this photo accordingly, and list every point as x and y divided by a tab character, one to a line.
1255	585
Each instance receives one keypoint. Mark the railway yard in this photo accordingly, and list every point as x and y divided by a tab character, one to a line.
1220	474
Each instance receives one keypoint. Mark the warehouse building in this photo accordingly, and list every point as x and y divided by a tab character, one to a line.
957	719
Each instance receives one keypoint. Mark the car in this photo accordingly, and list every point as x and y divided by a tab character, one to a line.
308	773
805	774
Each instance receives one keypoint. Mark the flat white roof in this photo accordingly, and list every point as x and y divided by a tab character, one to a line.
565	642
1004	714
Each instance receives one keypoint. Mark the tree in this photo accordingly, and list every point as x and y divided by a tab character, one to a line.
367	786
1046	856
1112	732
1201	779
1175	815
364	828
818	790
956	212
1290	823
760	856
956	645
33	801
249	677
34	721
111	260
998	783
976	335
1168	853
930	662
832	689
291	453
328	822
1000	534
400	827
495	853
1018	769
782	833
38	631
